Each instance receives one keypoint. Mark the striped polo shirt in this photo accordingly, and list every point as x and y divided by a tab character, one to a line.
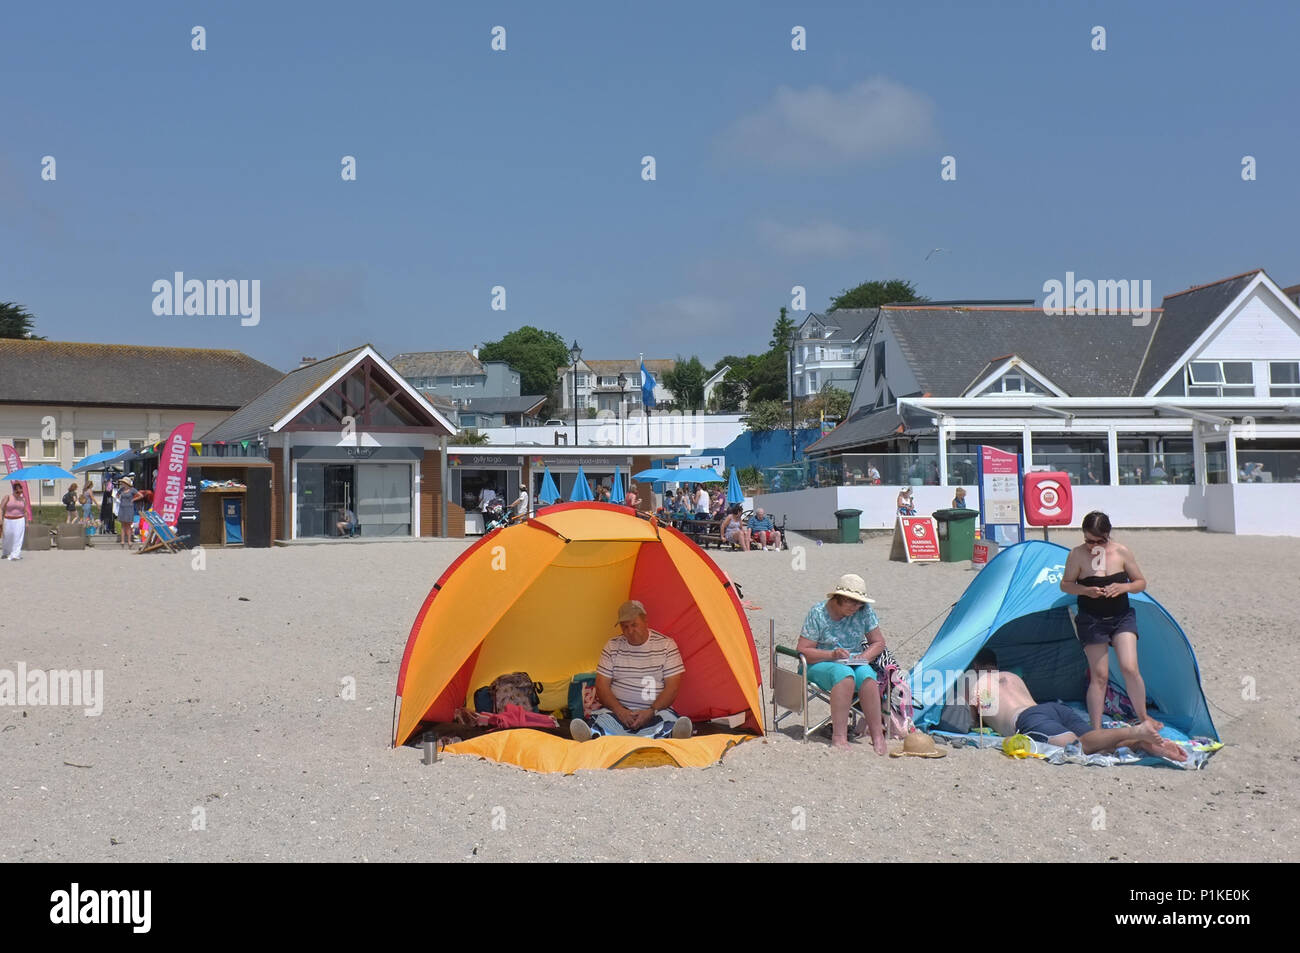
637	672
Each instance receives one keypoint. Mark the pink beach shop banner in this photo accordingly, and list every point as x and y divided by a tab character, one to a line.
14	462
173	461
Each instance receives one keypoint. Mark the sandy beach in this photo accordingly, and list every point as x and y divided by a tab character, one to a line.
224	736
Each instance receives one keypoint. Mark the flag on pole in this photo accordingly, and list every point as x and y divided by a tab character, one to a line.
647	388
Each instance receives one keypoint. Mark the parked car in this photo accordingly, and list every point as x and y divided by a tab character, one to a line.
554	423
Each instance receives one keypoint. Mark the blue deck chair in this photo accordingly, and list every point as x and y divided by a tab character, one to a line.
161	535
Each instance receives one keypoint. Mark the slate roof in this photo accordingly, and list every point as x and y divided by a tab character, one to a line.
1086	355
260	413
864	427
851	322
128	375
437	364
1184	318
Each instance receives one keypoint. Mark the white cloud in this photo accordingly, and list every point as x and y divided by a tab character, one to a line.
817	127
820	239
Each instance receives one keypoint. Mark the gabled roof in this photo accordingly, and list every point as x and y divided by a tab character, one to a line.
1007	364
437	364
1184	318
128	375
846	324
1087	355
284	399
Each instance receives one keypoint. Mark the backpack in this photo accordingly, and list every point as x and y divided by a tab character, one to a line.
895	696
69	499
514	689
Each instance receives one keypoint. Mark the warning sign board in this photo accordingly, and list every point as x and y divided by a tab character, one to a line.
916	539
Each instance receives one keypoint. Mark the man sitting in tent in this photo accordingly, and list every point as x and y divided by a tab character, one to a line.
637	679
1006	705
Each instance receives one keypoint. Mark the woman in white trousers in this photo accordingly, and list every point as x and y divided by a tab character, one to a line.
14	509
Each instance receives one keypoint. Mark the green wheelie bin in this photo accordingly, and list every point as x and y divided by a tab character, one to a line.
847	521
956	534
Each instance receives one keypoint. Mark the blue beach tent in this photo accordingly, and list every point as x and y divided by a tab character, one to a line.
1015	607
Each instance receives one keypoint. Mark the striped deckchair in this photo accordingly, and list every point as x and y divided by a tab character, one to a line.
161	535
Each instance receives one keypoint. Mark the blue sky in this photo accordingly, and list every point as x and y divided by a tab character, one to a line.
522	168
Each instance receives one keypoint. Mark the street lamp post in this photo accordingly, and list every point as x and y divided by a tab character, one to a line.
792	433
575	355
622	429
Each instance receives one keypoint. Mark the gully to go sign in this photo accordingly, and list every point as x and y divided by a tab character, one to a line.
169	488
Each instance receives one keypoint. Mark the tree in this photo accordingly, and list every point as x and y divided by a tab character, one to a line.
767	415
832	402
782	332
15	322
873	294
686	381
534	353
770	377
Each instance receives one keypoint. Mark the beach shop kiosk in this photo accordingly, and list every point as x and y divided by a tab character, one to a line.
344	434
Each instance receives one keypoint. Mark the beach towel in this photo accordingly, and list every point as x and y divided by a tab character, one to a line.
1199	750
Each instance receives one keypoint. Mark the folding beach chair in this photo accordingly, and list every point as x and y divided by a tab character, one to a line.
161	536
792	691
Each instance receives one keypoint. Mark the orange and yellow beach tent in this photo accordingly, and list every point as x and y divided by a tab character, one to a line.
542	597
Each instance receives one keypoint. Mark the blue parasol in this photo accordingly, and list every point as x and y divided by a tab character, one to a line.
45	471
734	493
99	461
580	489
616	494
681	475
550	493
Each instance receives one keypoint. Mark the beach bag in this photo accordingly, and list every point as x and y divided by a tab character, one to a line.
895	696
582	695
514	689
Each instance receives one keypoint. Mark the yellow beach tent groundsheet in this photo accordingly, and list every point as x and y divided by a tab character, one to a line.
542	597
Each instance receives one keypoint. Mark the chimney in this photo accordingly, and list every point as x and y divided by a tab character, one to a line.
475	352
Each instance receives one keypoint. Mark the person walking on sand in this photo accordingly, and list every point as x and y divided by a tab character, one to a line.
1102	573
14	509
845	626
88	504
70	504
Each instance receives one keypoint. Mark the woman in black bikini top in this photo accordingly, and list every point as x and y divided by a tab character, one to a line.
1104	607
1106	620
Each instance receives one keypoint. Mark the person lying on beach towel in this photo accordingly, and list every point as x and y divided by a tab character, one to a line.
1004	702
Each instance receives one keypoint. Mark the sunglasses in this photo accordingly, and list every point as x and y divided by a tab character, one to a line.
1094	542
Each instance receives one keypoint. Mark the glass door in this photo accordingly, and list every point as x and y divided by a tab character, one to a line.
383	502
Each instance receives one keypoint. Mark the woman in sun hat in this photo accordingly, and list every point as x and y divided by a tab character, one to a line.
906	504
836	630
126	508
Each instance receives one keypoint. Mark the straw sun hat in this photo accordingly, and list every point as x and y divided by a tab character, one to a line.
853	586
919	745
